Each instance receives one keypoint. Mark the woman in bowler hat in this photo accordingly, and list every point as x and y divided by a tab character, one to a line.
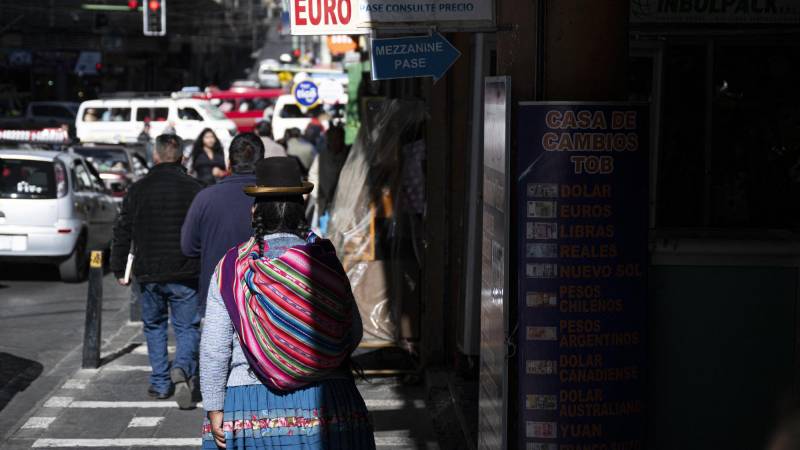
281	323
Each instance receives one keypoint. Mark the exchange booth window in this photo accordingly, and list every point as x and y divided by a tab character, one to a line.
730	142
755	173
681	163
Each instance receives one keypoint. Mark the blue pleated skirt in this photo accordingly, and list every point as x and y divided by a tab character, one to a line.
329	415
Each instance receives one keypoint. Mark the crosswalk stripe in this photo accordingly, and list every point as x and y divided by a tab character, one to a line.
374	404
127	442
124	368
91	404
76	384
38	422
69	402
384	441
57	402
398	442
142	350
145	422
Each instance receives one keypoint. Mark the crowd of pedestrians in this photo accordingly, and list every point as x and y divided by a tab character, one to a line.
225	245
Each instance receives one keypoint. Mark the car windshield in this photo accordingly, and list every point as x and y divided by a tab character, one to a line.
106	159
20	178
212	111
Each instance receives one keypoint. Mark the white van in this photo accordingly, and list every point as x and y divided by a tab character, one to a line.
121	120
287	114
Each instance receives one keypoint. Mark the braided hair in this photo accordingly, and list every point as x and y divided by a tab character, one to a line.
279	215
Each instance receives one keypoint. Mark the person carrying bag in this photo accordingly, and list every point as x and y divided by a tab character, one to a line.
281	324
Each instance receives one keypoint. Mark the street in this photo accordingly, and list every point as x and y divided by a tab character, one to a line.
48	401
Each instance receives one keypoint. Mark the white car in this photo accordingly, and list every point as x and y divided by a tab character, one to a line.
114	121
53	209
287	114
268	74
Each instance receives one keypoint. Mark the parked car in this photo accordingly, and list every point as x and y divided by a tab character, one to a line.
119	167
43	115
53	209
115	121
244	106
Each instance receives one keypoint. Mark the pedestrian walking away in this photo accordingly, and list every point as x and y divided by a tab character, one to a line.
151	217
271	148
329	166
306	398
144	140
220	215
298	147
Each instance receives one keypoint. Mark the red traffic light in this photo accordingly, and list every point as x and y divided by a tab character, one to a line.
133	4
155	17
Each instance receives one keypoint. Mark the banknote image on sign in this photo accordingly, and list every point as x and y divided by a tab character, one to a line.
325	17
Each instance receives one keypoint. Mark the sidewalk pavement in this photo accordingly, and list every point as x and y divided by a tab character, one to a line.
109	408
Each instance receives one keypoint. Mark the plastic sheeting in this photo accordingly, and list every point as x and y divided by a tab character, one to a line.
382	178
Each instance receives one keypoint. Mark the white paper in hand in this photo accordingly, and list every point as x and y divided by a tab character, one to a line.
128	269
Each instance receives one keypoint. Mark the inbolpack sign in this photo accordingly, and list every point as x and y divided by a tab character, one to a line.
321	17
715	11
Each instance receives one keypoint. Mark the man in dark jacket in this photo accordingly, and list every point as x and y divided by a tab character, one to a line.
152	215
220	215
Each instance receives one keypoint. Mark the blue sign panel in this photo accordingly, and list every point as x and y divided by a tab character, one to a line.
306	93
410	57
581	254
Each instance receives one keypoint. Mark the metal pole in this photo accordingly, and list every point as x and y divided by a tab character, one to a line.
469	339
708	138
252	26
94	307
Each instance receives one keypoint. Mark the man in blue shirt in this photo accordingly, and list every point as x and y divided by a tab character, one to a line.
220	215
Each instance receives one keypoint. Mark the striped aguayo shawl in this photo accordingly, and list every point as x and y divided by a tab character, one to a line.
293	314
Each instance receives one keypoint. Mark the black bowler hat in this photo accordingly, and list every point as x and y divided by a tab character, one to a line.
278	176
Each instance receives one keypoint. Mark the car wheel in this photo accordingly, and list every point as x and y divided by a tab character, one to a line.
75	268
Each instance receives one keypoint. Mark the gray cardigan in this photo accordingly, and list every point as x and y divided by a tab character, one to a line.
222	362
